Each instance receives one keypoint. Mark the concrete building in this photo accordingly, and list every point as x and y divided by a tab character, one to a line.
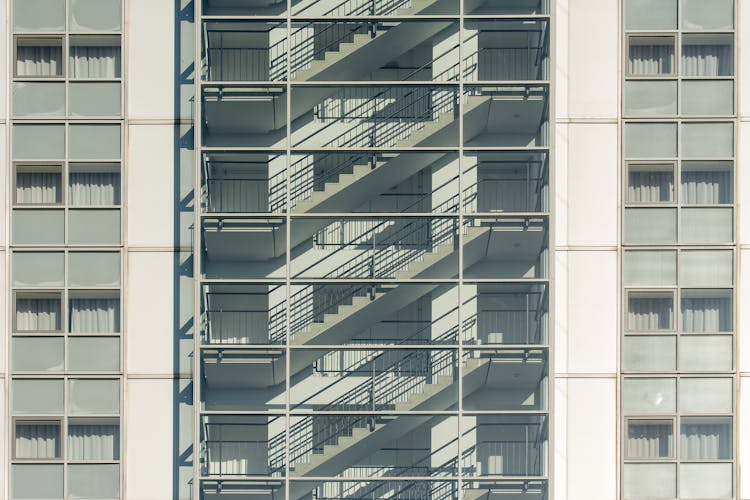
360	249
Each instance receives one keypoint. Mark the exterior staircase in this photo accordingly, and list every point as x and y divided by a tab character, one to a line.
366	436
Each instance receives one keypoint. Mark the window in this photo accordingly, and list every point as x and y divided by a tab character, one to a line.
37	439
39	57
651	55
650	439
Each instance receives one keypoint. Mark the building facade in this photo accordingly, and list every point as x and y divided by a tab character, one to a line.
359	249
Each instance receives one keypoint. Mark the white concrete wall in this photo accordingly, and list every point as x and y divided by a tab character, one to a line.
150	290
585	207
743	239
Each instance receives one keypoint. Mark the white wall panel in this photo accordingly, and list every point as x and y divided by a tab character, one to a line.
743	70
592	312
743	180
590	435
150	314
149	439
151	186
743	310
592	63
592	185
151	58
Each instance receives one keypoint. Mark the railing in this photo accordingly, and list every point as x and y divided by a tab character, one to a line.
381	391
390	116
244	326
489	63
361	7
522	456
242	194
236	458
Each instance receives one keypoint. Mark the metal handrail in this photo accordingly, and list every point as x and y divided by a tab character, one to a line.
363	394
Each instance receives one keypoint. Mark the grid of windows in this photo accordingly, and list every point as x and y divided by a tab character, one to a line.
678	266
66	242
374	249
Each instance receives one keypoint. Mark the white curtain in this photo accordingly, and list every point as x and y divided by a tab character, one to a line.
706	314
649	187
706	441
651	59
38	187
707	188
39	440
94	315
649	314
94	62
649	440
39	61
38	315
707	60
94	188
94	442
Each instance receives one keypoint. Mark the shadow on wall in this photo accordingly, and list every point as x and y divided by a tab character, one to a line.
183	194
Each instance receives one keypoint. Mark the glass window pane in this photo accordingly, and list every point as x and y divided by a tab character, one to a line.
37	439
94	57
38	312
706	182
699	481
37	396
713	15
95	99
645	98
38	227
94	184
706	438
95	227
94	142
706	311
650	225
94	269
93	439
706	395
649	439
38	268
649	481
707	55
705	353
651	14
38	142
707	225
650	55
34	354
39	57
95	15
38	99
707	98
39	15
94	312
100	481
648	395
649	354
650	267
94	397
650	311
36	481
38	184
94	354
706	267
707	140
650	140
650	183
